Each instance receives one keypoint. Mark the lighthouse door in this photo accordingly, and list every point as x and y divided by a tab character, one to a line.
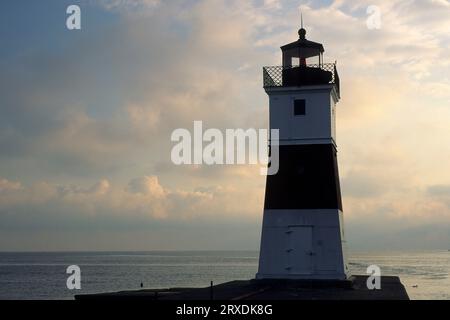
300	250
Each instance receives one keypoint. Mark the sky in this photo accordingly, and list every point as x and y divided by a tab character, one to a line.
86	118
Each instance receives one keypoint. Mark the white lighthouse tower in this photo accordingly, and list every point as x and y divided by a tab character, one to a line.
303	230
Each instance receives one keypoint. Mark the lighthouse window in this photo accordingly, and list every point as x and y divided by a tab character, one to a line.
299	107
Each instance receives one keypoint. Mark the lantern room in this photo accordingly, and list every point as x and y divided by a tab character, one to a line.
303	63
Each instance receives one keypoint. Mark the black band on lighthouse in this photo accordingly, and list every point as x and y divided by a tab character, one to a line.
308	178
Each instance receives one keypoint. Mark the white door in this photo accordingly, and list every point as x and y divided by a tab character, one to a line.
300	251
274	242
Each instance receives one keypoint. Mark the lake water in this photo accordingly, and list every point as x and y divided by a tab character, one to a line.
43	275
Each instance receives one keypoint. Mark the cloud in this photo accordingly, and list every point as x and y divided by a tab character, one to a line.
8	186
147	185
440	190
126	5
440	193
144	197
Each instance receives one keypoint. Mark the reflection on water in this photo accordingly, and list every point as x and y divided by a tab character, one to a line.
428	270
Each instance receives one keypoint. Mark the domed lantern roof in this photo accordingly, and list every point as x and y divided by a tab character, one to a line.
301	49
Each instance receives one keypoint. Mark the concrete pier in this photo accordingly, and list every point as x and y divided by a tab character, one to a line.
353	289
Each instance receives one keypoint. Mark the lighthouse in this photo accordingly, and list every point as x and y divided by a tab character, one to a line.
303	228
302	254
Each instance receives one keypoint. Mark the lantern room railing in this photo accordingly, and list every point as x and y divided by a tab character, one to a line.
273	75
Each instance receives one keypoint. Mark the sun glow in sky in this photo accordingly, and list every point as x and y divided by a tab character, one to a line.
86	118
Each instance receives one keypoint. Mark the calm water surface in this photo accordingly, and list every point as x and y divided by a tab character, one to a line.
43	275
